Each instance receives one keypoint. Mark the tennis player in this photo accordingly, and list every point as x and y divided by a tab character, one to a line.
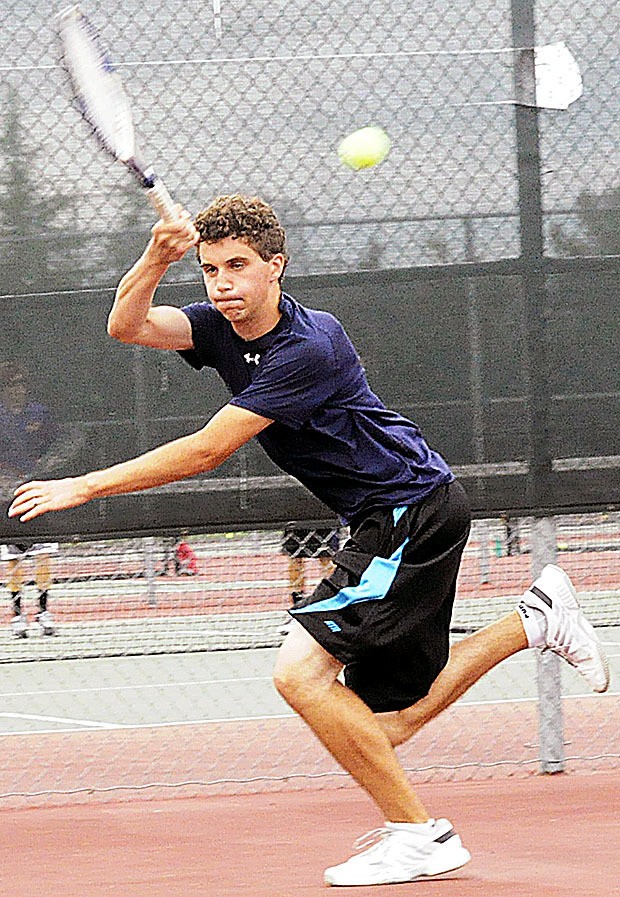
383	615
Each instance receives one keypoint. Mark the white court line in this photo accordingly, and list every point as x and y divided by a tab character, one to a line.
524	661
90	689
132	726
91	723
246	719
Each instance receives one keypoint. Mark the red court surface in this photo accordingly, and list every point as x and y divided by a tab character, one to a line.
543	836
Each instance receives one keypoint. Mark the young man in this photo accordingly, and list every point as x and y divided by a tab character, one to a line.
383	615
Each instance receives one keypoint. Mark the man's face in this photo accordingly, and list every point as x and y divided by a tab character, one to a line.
239	283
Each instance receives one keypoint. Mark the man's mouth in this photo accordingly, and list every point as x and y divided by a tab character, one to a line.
229	304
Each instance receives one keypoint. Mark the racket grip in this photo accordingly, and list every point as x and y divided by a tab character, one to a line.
161	200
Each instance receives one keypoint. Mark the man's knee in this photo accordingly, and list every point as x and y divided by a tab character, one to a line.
304	672
291	682
302	686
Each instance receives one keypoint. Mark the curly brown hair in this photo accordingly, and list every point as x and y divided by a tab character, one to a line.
246	218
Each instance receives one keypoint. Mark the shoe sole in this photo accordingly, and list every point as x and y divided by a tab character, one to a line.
458	857
586	626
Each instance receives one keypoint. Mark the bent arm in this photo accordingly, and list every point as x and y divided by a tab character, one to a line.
199	452
133	318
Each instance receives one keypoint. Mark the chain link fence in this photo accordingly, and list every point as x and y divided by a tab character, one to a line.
158	676
259	102
431	259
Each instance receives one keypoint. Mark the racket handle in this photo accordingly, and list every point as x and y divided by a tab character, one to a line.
161	200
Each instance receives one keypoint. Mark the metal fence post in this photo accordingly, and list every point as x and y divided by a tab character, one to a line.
549	673
484	561
148	547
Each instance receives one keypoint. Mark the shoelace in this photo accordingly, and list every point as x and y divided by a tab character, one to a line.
564	632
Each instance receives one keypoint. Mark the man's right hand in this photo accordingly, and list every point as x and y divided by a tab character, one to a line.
172	238
133	319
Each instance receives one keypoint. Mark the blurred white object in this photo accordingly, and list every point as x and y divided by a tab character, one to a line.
558	79
545	77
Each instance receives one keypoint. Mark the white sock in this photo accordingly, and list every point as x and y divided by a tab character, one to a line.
419	828
534	624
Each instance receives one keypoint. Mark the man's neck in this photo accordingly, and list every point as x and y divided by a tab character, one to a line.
257	327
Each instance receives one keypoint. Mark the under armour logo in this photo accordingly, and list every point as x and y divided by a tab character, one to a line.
252	358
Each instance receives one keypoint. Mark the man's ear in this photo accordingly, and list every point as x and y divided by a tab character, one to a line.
278	264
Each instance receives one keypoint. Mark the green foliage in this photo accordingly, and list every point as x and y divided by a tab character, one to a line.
33	256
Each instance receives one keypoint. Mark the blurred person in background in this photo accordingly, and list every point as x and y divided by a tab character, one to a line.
27	433
301	544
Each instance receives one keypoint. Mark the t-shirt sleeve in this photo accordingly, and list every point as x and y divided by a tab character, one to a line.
202	317
295	380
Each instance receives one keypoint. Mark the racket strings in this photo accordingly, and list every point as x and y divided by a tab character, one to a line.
103	103
98	89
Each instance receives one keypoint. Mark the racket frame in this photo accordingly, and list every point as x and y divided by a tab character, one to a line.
72	22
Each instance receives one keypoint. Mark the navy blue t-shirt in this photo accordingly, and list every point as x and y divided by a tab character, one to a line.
330	430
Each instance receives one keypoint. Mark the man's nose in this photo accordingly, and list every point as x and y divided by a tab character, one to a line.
223	282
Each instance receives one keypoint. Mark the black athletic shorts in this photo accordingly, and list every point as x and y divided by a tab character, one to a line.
385	610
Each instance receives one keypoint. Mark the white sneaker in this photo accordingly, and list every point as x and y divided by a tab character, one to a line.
568	634
19	626
45	621
399	854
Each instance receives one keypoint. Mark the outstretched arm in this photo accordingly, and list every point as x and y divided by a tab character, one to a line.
205	450
133	319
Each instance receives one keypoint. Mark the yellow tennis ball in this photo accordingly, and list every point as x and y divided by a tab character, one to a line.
364	148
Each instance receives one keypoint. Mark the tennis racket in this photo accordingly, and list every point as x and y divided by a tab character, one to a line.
103	103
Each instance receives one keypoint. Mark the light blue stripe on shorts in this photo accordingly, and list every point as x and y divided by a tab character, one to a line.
374	584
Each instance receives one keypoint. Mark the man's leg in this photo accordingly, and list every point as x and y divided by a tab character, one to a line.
410	845
44	581
296	577
15	584
548	616
306	677
469	660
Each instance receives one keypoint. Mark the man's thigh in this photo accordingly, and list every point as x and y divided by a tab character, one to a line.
301	657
